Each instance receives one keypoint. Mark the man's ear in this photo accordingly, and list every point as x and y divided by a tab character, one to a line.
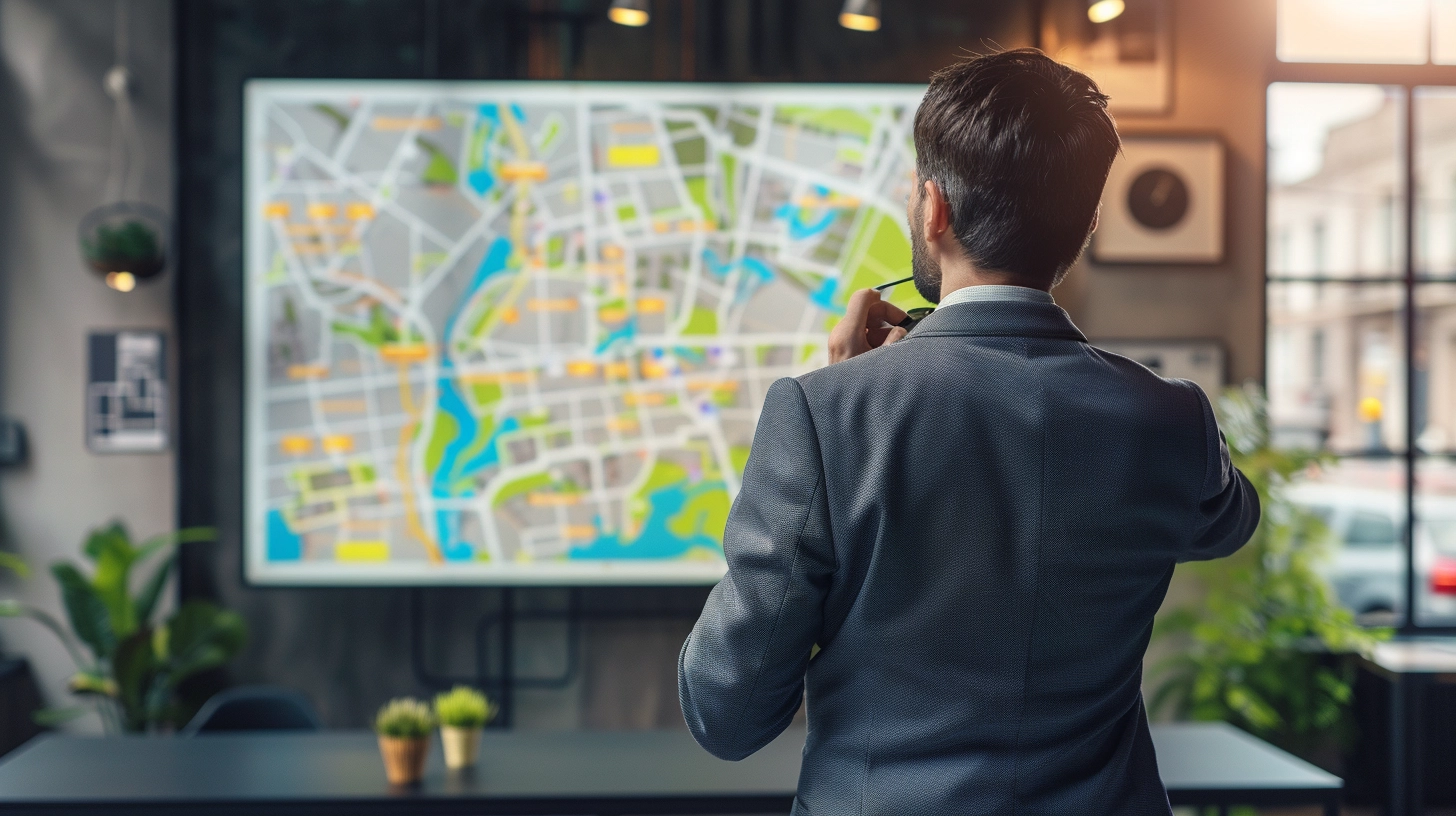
937	212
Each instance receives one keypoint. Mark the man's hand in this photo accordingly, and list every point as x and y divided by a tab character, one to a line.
868	324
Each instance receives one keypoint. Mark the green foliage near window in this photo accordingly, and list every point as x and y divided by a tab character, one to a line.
128	664
404	718
14	563
1267	646
463	707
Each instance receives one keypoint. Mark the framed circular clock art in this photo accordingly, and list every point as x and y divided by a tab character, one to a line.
1164	203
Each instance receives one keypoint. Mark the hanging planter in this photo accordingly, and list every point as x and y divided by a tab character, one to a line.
124	243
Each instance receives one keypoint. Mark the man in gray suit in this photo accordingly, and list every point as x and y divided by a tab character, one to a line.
973	523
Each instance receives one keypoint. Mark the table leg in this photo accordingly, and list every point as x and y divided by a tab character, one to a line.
1398	743
1414	756
1407	793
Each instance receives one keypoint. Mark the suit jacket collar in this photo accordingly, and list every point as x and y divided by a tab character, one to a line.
999	318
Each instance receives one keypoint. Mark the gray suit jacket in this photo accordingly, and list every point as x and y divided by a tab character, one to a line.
975	525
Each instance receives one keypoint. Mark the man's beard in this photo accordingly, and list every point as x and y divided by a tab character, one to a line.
925	268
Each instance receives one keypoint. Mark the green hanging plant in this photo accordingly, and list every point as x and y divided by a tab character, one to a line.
128	665
1267	646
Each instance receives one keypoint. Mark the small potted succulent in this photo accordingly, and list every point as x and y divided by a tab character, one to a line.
462	713
404	725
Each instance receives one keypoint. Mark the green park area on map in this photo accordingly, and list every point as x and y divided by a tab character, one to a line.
518	332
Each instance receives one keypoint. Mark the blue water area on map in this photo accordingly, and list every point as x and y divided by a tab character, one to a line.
621	335
758	268
479	178
283	543
798	230
495	261
760	273
518	113
823	297
656	540
448	524
450	472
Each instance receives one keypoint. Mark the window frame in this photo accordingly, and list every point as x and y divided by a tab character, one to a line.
1408	78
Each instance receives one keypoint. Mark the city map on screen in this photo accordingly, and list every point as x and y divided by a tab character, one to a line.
521	332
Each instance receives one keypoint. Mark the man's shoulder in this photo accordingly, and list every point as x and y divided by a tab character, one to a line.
1139	374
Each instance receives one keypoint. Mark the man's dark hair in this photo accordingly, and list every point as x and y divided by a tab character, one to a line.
1020	146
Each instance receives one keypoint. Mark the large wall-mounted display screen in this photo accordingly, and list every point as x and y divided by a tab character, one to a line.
521	332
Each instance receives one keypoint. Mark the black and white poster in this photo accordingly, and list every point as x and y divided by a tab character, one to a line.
126	392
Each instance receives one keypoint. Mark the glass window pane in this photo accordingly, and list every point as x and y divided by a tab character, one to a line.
1362	504
1435	116
1335	366
1433	371
1353	31
1436	542
1336	193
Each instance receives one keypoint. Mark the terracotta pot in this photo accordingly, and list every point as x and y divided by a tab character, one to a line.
462	745
404	758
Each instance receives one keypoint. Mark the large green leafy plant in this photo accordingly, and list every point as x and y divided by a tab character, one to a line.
1267	646
128	664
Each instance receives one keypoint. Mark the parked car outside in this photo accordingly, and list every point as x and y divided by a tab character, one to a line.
1367	570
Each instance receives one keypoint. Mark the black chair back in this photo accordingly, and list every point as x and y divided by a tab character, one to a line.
254	708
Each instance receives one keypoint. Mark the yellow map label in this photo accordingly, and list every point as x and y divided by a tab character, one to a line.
295	445
649	398
338	443
406	122
276	209
499	377
553	304
553	499
405	352
581	368
359	211
361	551
307	372
523	171
651	305
646	155
323	212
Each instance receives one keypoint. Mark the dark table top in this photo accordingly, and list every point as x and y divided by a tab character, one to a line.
524	772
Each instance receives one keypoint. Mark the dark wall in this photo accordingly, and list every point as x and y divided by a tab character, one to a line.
350	649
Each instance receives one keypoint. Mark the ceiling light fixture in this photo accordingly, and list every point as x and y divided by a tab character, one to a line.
860	15
1101	11
629	12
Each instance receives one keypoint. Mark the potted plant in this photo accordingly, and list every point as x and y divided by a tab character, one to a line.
129	664
404	725
1266	647
125	242
462	713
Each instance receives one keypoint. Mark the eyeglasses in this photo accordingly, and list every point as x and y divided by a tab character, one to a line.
912	316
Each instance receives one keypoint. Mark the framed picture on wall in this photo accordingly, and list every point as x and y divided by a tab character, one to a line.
1164	202
1130	56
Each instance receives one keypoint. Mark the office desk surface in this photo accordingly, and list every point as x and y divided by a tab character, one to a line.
528	772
